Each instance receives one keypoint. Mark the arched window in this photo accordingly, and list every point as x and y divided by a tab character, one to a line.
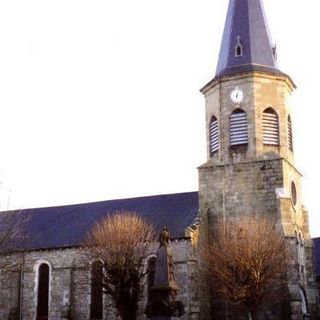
96	306
238	128
290	139
214	136
150	275
43	292
238	50
270	127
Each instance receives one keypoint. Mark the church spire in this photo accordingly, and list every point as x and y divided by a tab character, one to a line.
246	43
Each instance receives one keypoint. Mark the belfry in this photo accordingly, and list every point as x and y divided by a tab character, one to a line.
250	167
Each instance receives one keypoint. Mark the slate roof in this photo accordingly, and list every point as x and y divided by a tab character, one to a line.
246	21
66	226
317	255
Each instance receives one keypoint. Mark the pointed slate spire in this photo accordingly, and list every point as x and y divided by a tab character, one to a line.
246	43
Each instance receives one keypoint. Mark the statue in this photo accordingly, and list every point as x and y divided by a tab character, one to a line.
164	237
163	304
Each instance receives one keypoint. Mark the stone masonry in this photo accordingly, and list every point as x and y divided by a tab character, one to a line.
251	177
258	179
69	284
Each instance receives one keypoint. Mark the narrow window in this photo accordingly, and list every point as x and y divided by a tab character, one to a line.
274	53
270	127
43	292
298	250
297	246
96	306
238	128
302	255
290	140
150	275
238	50
214	136
304	304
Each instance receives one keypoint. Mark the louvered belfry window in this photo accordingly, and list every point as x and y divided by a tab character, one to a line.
238	128
270	127
214	136
290	140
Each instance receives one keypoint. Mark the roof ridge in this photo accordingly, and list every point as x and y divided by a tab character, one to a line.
101	201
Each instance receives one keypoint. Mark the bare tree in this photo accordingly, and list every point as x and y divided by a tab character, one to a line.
12	236
247	261
120	242
12	232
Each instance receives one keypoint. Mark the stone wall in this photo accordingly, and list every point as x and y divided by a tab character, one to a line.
263	187
240	188
261	91
69	289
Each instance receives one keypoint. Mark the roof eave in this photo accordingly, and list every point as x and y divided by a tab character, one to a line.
222	77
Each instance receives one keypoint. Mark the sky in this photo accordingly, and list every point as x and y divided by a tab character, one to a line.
100	99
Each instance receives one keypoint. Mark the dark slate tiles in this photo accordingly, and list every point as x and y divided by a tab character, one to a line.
65	226
246	21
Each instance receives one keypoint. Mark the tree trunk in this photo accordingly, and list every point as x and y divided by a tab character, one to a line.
127	311
253	315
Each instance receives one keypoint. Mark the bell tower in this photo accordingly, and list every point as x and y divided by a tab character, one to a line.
250	167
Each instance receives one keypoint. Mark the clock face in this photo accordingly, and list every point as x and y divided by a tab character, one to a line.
237	95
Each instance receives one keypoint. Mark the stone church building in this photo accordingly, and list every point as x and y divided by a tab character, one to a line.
249	169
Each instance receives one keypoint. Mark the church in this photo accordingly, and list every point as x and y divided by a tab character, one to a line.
249	170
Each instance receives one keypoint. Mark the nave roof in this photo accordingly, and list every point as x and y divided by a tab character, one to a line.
66	226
